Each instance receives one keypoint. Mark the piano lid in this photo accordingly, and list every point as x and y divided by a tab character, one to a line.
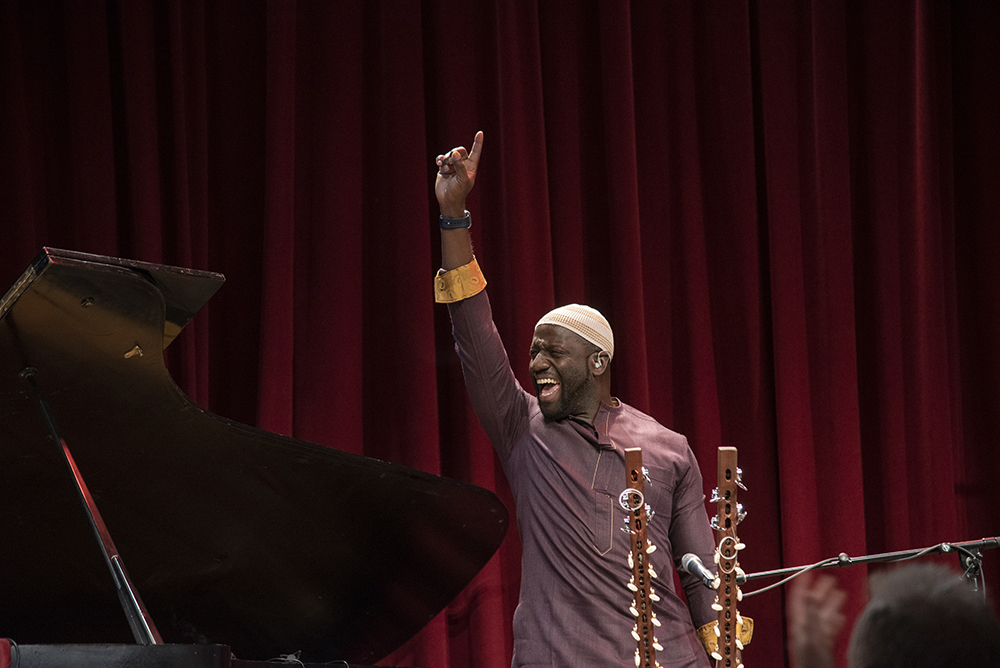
232	535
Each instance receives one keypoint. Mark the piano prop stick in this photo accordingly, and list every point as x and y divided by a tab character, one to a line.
238	539
143	629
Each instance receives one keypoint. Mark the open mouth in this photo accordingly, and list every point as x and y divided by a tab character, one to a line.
547	388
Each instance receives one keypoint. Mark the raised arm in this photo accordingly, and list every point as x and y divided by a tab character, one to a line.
499	401
456	175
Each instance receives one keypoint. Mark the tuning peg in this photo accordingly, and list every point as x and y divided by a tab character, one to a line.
631	499
739	478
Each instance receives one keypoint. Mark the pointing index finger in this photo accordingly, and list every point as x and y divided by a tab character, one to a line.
477	148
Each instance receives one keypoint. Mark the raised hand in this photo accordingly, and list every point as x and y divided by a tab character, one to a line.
814	621
456	175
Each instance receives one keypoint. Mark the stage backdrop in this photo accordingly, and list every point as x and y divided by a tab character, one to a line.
787	209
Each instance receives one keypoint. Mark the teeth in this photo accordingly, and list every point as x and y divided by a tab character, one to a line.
545	381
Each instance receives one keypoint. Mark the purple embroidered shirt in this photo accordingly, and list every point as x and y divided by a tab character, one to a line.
566	476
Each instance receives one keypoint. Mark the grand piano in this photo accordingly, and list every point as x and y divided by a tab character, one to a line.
142	530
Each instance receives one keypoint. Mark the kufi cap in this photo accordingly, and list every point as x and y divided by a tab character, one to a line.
585	321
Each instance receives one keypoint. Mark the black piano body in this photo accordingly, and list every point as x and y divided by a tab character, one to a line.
242	543
149	656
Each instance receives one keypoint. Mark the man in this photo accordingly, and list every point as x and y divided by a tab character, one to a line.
561	448
919	616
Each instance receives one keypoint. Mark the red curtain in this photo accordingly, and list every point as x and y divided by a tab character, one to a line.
786	209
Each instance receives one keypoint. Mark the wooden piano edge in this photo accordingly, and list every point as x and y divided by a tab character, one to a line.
145	656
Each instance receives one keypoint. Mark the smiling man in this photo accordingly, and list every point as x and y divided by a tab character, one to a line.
566	385
562	450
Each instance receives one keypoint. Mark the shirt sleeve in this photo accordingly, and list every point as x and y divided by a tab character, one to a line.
459	283
498	399
690	532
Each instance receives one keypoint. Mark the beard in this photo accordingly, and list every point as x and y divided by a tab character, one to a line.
577	393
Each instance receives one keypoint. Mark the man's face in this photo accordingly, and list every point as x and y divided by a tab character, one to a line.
561	373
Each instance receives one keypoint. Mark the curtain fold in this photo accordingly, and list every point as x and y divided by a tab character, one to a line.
785	209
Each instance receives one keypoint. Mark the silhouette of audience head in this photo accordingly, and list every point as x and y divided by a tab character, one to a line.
924	616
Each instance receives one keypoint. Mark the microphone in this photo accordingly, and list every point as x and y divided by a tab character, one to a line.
690	563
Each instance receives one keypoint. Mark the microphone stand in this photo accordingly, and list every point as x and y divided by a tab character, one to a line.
969	554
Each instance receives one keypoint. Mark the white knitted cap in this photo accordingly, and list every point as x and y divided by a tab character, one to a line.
585	321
